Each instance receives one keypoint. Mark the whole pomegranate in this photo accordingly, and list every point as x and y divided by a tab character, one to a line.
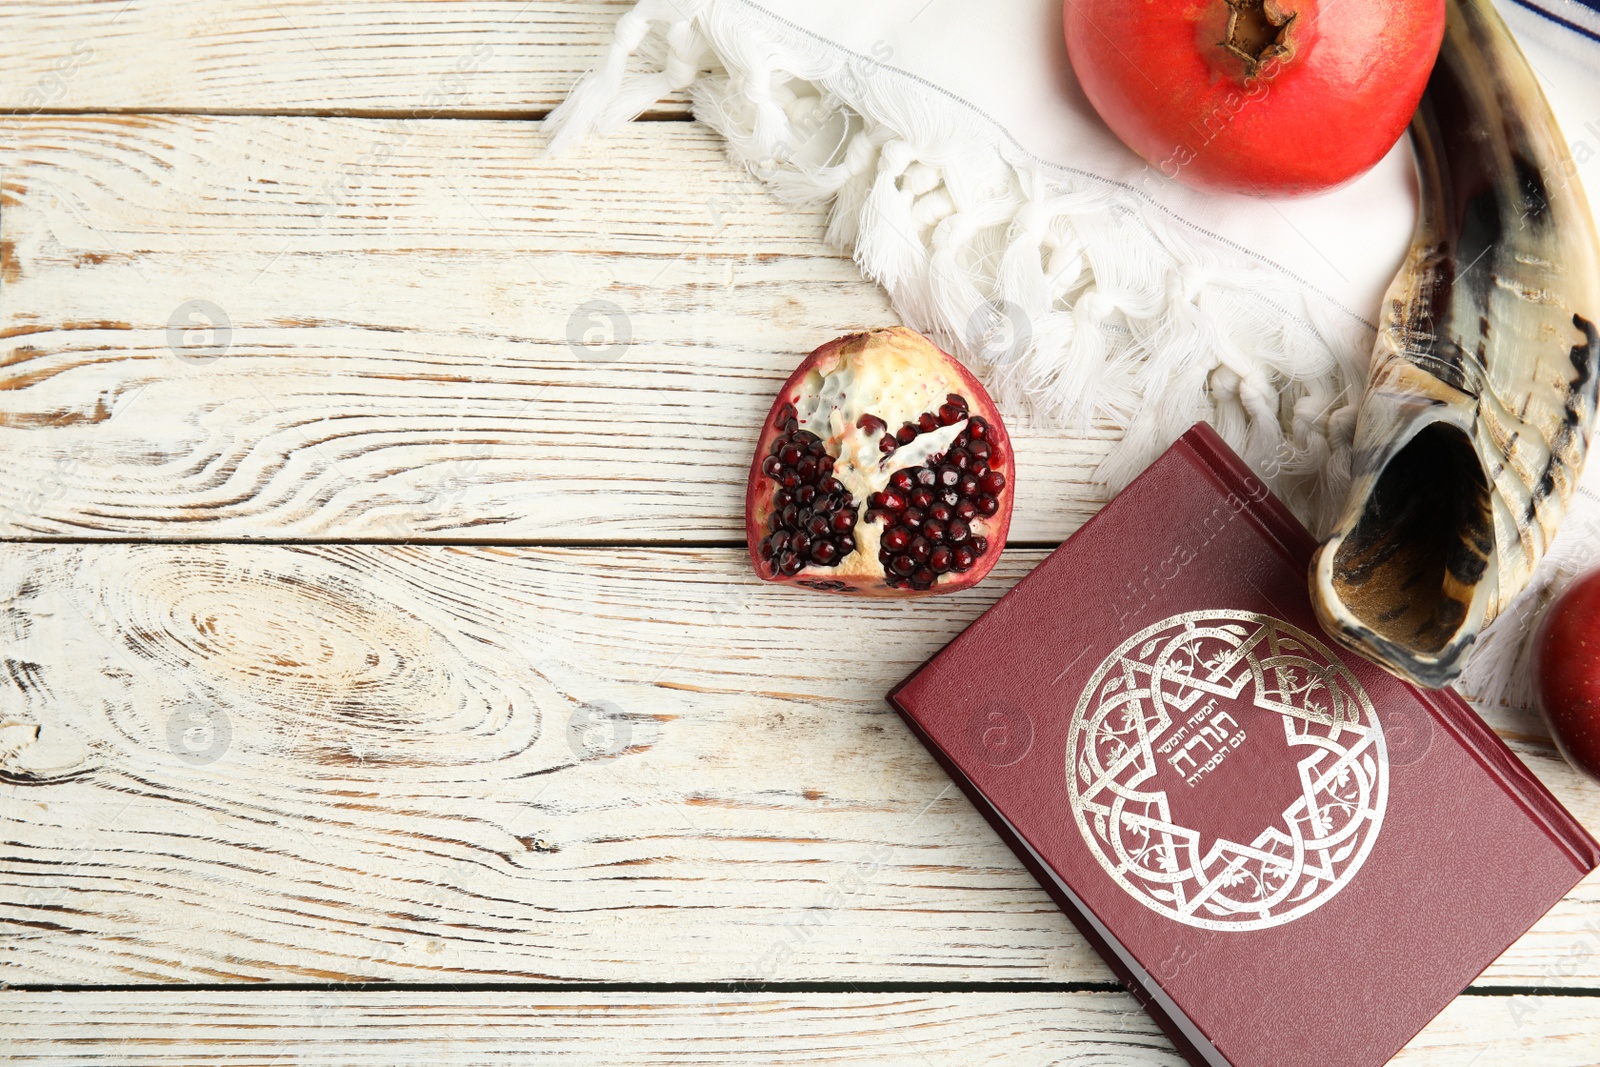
883	469
1267	97
1566	672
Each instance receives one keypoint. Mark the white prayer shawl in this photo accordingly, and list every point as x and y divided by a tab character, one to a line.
960	162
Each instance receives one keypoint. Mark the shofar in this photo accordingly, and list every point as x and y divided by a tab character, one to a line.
1481	402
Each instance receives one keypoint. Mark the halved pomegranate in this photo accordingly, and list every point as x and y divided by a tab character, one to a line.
883	469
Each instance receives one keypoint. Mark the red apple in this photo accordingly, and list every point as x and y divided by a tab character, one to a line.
1566	673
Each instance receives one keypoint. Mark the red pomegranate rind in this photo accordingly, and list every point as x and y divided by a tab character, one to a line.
883	469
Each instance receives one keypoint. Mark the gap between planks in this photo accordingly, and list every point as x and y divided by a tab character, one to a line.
444	397
446	1029
407	778
709	988
396	114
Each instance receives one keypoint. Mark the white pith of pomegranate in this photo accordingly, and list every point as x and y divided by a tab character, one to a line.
883	469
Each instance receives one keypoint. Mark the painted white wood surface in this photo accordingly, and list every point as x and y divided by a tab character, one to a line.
411	56
465	1029
431	763
423	333
435	763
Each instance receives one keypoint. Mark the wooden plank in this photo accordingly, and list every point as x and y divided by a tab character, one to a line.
433	763
420	323
406	57
394	1028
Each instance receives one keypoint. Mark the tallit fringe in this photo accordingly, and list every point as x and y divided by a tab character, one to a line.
1073	299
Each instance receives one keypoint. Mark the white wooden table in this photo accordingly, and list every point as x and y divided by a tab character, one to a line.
384	680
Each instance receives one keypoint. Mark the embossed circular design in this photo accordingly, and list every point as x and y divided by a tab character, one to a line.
1140	706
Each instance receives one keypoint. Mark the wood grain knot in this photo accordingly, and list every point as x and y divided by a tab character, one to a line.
309	656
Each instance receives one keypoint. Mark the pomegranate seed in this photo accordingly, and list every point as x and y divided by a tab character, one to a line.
992	482
818	526
799	544
957	532
933	530
964	558
847	545
789	455
919	548
968	486
833	486
922	499
996	457
791	516
950	414
896	538
966	510
940	513
824	466
926	477
782	499
927	422
824	553
766	549
980	545
807	469
941	559
843	521
978	469
892	500
778	445
775	520
957	399
772	467
922	579
979	448
936	459
887	444
780	540
871	424
958	459
912	518
803	495
902	565
987	505
879	515
949	476
978	427
902	481
789	480
875	501
951	497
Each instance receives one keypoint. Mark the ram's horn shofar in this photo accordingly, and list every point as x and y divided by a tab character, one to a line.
1481	401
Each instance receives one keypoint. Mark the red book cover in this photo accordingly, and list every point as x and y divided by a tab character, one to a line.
1289	856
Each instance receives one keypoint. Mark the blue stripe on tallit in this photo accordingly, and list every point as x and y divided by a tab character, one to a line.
1590	13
